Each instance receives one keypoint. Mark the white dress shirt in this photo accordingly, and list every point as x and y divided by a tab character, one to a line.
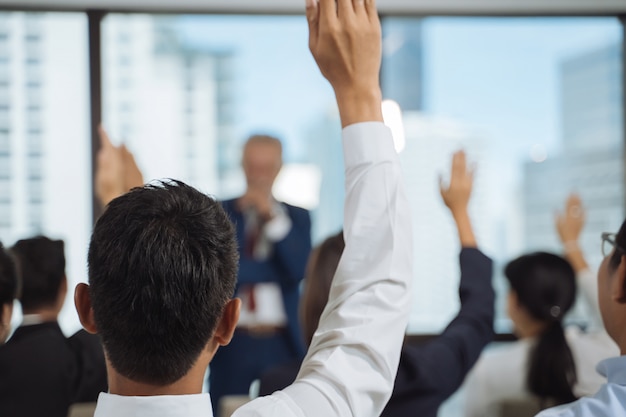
110	405
500	373
609	401
353	358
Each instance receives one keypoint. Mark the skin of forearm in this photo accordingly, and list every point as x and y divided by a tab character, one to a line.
574	255
464	228
359	105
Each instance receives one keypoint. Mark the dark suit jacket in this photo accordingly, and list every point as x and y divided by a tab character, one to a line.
41	372
285	266
429	373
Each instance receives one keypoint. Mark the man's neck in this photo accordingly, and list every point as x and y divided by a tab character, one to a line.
189	384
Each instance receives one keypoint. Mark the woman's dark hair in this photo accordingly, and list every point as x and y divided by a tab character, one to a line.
8	278
320	271
545	285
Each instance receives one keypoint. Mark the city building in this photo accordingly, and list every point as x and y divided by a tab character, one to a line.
590	161
171	103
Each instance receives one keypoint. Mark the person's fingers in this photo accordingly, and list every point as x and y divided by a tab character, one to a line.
359	6
105	142
370	7
345	9
312	17
327	11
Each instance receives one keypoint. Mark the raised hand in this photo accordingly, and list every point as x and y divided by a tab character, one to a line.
457	194
116	172
345	40
569	224
132	174
456	197
109	181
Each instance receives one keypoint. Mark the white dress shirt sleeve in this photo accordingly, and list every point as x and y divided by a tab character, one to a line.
351	364
588	286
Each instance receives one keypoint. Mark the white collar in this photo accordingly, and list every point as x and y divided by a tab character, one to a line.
110	405
31	319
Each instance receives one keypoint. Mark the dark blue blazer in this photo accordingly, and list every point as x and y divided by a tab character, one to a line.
285	266
432	371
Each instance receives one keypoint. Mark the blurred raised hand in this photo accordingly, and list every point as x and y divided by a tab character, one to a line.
569	225
116	171
456	196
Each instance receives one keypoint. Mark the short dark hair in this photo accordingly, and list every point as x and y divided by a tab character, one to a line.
8	278
42	270
162	266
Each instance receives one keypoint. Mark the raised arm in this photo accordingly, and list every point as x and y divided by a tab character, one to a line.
353	357
569	225
442	363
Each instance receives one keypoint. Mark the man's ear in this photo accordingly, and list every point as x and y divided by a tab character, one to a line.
82	301
228	322
618	292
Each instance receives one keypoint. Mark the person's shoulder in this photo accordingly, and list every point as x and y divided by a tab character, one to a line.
295	209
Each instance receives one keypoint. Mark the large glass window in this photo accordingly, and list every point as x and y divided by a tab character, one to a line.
535	101
45	170
537	104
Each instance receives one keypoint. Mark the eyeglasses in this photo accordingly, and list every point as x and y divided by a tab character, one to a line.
608	244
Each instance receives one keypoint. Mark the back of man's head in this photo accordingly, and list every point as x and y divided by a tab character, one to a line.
162	266
42	271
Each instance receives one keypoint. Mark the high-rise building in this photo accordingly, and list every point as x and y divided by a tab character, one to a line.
170	101
591	159
45	175
591	100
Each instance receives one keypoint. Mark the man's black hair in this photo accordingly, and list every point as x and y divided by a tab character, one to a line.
162	265
42	270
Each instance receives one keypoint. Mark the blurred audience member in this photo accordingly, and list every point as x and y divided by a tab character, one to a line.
430	372
274	244
548	364
42	372
8	292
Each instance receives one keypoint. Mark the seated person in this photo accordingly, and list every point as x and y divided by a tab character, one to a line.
428	373
8	292
38	360
548	365
163	264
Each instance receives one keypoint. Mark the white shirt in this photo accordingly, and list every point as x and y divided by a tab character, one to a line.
500	373
161	405
352	361
609	401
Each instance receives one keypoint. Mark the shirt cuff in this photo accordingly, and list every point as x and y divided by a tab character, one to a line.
358	139
279	227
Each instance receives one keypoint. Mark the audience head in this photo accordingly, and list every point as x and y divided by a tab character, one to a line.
320	271
8	291
612	286
543	289
162	269
42	271
262	161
